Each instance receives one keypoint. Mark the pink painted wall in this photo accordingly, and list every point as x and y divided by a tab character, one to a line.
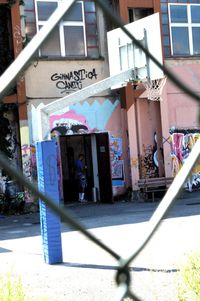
118	128
131	113
178	109
149	122
182	110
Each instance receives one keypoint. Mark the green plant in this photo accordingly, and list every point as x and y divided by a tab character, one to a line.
11	288
189	284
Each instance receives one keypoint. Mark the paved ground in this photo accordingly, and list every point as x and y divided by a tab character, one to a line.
87	272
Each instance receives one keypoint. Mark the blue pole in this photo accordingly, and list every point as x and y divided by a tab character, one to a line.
46	156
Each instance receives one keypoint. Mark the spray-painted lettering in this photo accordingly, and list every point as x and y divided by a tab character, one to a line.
73	80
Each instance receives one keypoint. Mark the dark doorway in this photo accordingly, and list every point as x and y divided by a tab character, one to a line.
95	149
104	170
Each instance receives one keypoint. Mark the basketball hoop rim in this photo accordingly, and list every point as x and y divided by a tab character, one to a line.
154	88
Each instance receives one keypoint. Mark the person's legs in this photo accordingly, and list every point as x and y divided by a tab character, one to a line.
79	190
80	197
81	193
83	184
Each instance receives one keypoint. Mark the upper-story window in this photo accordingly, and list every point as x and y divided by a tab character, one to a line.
75	35
139	13
184	20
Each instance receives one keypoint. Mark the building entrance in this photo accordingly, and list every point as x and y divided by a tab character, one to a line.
95	151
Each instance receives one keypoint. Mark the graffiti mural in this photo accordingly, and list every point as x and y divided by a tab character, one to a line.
152	159
5	138
91	116
68	123
29	161
26	151
182	142
85	117
8	141
117	164
148	167
33	166
73	80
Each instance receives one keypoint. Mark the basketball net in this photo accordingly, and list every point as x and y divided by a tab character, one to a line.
154	88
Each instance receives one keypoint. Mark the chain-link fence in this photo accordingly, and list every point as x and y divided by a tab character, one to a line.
12	73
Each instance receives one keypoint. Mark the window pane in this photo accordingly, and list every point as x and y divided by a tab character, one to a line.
195	13
165	29
91	41
29	16
28	4
91	33
51	46
178	13
166	41
139	13
164	8
30	24
196	39
90	18
91	29
165	19
74	14
45	9
74	42
30	30
167	51
89	6
180	41
93	52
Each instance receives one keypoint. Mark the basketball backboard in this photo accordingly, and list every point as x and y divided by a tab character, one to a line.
123	54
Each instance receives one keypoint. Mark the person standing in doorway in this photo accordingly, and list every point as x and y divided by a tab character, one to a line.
81	177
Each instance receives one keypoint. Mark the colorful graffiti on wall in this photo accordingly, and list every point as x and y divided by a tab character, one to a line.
69	123
83	117
151	161
182	142
89	118
28	159
8	141
149	168
117	164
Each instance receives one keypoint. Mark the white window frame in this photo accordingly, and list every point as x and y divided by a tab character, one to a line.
189	25
62	24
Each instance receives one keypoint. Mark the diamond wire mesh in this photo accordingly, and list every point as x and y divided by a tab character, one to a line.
123	273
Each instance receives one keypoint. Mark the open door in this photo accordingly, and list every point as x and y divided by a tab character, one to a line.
71	146
95	149
104	167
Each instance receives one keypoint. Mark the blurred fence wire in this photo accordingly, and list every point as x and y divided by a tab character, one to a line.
11	74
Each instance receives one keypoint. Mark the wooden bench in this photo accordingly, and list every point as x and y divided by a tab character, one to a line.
153	185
